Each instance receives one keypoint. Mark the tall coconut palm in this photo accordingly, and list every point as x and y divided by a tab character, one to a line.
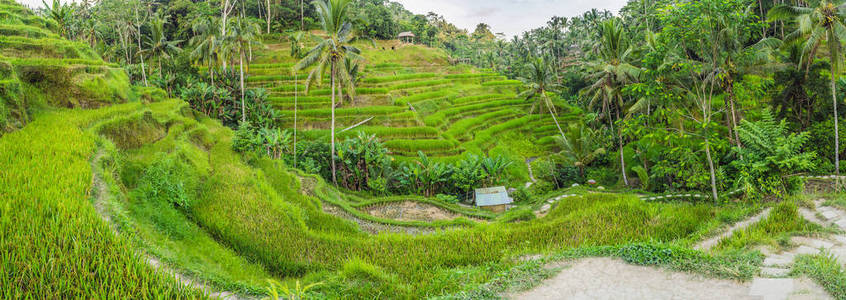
241	37
158	46
822	21
329	53
206	43
538	85
610	74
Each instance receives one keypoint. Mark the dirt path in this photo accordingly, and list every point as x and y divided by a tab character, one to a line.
101	205
531	173
608	278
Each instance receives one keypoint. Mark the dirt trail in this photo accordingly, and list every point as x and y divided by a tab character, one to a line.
101	205
608	278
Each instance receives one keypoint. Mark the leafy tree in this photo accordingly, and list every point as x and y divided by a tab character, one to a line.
538	84
494	167
580	147
611	72
240	38
159	47
329	52
822	22
62	14
206	45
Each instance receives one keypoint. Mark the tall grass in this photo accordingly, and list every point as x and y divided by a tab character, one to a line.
55	245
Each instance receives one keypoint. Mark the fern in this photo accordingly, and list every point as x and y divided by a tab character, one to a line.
769	155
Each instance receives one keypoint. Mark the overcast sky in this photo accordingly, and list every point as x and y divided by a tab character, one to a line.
507	16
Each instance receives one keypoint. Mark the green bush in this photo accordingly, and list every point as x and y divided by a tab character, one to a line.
164	182
770	155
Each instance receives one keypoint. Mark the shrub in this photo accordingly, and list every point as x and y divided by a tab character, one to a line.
769	155
447	198
163	182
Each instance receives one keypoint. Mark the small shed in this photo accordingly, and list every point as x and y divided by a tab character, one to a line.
495	199
407	37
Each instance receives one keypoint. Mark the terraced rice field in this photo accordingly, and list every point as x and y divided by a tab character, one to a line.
413	98
39	67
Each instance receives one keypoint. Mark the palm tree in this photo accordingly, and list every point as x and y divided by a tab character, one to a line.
157	44
62	14
610	74
206	44
537	85
822	22
240	38
329	52
580	148
352	76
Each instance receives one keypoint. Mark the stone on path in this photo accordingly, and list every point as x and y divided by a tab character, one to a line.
806	250
774	272
779	260
812	242
829	215
841	224
771	288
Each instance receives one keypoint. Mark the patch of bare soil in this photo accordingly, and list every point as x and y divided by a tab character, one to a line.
411	211
374	227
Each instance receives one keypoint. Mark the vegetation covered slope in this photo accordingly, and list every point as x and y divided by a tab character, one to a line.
38	68
418	101
262	212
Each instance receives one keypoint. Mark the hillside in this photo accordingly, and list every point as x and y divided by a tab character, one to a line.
198	187
418	101
119	197
39	69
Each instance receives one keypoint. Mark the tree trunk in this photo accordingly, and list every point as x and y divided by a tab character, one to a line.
734	117
622	157
836	131
243	107
554	118
302	17
138	26
332	133
268	16
711	169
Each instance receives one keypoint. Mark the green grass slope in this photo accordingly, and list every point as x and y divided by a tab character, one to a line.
40	69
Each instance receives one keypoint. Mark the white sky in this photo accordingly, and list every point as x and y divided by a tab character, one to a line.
507	16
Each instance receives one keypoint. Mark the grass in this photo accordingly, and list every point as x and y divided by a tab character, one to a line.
783	222
56	245
825	270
